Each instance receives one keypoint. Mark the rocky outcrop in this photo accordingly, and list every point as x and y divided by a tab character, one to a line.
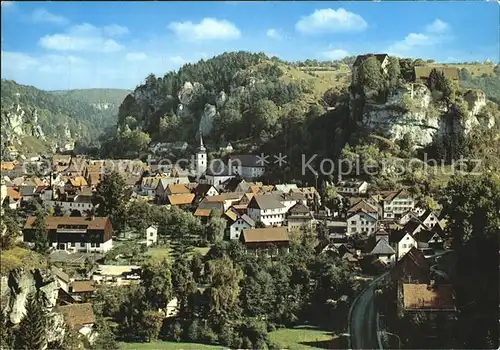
18	121
16	287
410	110
207	119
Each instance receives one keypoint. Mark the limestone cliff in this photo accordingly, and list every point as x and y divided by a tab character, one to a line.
15	288
410	110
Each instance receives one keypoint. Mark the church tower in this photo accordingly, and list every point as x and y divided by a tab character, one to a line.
201	158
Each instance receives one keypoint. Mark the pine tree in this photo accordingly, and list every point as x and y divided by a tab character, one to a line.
41	234
31	334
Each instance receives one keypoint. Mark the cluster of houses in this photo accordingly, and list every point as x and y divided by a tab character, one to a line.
372	230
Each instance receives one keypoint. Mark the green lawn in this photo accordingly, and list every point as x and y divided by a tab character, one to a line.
304	337
167	345
161	253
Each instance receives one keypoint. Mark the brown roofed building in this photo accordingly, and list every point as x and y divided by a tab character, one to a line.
180	199
79	317
265	238
411	268
177	189
421	297
74	233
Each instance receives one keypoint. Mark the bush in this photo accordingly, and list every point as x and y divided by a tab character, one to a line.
175	332
226	336
207	335
193	333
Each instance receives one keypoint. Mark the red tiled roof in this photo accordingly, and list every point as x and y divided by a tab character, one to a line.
77	315
422	297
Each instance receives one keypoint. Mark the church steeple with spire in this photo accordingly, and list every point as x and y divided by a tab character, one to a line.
201	157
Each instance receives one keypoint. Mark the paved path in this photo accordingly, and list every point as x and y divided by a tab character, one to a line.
363	321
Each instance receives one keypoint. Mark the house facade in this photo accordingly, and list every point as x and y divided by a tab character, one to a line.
248	166
267	209
405	244
361	222
269	239
236	228
354	188
74	234
396	204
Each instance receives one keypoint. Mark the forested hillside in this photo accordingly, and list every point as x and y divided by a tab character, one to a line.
100	98
246	98
53	117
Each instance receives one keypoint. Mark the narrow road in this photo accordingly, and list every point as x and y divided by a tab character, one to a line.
363	320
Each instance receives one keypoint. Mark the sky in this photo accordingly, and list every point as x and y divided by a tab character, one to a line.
77	45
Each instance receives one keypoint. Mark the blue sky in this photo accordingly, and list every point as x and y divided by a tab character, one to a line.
68	45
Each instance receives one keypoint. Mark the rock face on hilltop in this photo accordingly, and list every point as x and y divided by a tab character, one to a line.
409	110
14	290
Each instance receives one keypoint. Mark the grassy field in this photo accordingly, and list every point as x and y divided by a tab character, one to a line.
476	70
167	345
304	337
161	253
321	80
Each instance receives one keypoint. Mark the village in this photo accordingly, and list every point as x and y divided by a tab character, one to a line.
375	232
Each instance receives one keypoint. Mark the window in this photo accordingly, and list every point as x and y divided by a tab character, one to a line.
98	245
151	234
72	244
404	246
92	244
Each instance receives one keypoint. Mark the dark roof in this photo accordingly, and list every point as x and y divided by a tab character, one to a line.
248	219
246	160
98	223
411	226
231	184
202	189
379	56
205	204
396	235
264	201
27	190
268	234
395	194
362	205
382	248
299	208
424	236
413	264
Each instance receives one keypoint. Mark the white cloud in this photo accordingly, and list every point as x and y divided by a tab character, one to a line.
177	60
116	30
44	16
207	29
335	54
6	4
136	56
83	37
329	20
438	26
416	44
18	60
273	34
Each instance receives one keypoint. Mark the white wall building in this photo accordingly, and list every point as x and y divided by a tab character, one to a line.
267	209
361	222
396	204
354	188
405	244
248	166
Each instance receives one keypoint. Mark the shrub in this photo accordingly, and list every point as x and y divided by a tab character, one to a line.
193	333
